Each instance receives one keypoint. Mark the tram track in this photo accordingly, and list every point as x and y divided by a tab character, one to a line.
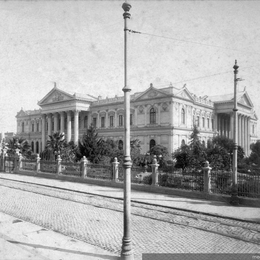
236	229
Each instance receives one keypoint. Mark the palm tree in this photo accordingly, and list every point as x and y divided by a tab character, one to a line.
19	143
56	142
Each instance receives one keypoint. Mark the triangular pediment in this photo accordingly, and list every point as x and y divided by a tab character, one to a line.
151	93
54	96
254	116
184	93
245	100
21	113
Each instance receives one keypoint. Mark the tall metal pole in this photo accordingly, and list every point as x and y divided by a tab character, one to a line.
234	195
127	252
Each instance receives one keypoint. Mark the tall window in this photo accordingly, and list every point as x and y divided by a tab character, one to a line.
198	121
95	122
212	123
121	120
86	122
120	145
152	116
152	143
182	142
32	127
37	126
32	145
111	120
102	121
22	126
183	116
203	121
208	122
131	119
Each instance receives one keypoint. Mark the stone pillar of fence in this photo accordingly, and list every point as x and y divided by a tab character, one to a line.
59	165
84	167
3	161
38	163
115	170
155	171
20	162
207	177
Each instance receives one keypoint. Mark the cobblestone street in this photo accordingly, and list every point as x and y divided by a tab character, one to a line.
98	221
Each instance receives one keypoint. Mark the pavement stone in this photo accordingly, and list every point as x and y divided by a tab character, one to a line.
101	226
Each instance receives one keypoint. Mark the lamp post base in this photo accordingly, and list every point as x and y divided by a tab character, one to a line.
127	252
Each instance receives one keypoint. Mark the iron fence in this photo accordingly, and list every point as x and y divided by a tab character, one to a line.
98	171
72	169
48	166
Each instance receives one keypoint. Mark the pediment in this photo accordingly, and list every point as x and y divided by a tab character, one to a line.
244	99
54	96
21	113
150	94
184	93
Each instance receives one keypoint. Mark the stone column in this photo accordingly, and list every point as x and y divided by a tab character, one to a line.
116	124
243	132
49	124
239	129
159	114
107	119
207	177
98	120
55	122
246	136
171	113
62	122
135	120
115	170
68	126
145	115
76	126
43	125
155	166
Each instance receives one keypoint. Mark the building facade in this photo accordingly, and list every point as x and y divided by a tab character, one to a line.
158	116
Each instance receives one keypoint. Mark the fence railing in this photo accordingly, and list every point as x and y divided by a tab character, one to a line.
205	180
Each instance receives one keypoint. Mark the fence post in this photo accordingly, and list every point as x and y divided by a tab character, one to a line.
59	165
207	177
85	167
115	170
155	171
38	163
3	161
20	163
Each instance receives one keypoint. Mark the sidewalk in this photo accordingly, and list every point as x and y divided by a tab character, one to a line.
216	208
20	240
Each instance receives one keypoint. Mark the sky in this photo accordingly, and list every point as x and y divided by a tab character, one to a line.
80	46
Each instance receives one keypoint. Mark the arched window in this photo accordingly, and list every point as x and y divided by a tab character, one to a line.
183	116
32	145
22	126
152	116
120	145
152	143
203	143
182	142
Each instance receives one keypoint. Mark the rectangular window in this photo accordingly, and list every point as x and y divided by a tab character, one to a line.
37	127
198	121
212	123
131	119
32	127
208	122
102	121
111	121
203	122
95	122
120	120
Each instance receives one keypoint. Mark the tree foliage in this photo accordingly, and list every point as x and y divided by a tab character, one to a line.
255	154
21	144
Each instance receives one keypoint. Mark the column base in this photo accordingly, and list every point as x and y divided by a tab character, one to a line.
127	252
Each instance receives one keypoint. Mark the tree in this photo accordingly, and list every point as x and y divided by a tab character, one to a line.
21	144
255	154
182	156
56	143
91	145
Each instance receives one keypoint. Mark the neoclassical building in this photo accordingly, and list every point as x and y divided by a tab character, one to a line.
158	116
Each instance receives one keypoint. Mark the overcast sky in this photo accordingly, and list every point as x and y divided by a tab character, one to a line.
79	45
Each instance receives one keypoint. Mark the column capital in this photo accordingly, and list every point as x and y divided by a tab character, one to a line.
62	113
68	112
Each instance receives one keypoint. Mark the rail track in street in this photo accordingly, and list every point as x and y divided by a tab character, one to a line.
237	229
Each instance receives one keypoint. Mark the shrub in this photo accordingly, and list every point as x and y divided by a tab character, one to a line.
148	179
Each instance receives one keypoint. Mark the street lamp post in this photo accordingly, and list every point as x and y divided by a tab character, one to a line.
127	252
234	193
